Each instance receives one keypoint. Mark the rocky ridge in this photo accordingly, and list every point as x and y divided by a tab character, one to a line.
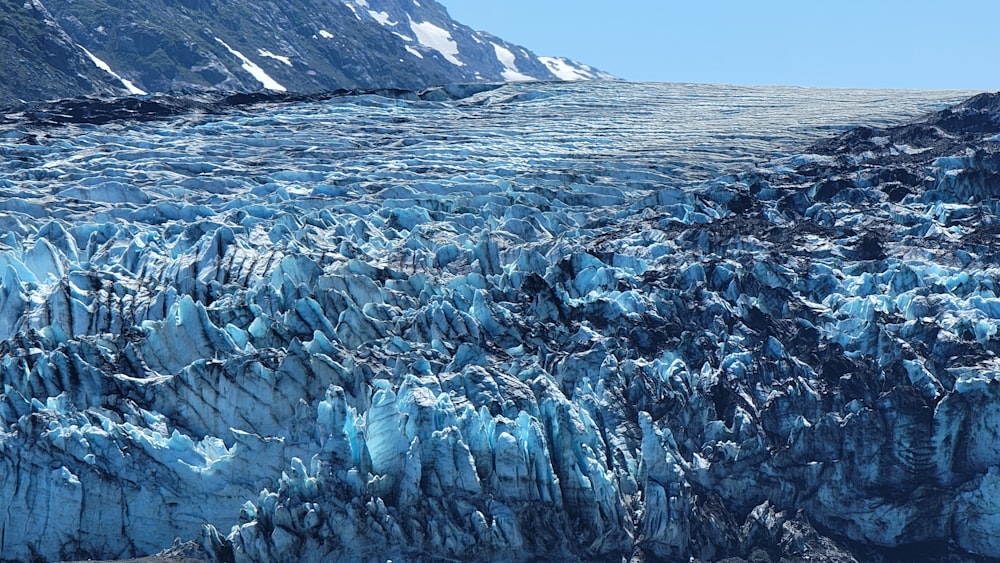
65	48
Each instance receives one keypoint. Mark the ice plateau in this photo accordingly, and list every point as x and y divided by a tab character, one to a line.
589	321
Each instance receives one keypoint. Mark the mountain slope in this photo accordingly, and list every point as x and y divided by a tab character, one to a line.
71	47
39	59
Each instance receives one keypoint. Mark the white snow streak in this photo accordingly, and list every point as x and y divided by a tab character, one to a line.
381	17
415	52
251	67
510	72
325	34
430	35
132	88
353	9
270	55
563	70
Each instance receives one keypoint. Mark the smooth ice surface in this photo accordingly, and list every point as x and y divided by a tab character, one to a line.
523	323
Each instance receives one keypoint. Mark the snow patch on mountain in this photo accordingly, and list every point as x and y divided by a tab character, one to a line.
565	69
350	5
510	72
255	70
270	55
132	88
438	39
382	18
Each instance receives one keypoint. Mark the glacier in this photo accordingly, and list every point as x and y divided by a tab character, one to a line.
587	321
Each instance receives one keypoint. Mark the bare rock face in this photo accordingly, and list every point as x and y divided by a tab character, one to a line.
41	61
66	48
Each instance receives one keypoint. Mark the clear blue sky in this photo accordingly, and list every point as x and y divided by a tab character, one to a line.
838	43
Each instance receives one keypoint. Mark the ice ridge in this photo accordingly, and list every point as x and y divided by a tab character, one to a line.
531	321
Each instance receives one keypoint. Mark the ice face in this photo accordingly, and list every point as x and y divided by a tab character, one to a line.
531	321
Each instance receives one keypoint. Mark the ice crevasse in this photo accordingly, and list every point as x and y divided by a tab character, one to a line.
421	328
